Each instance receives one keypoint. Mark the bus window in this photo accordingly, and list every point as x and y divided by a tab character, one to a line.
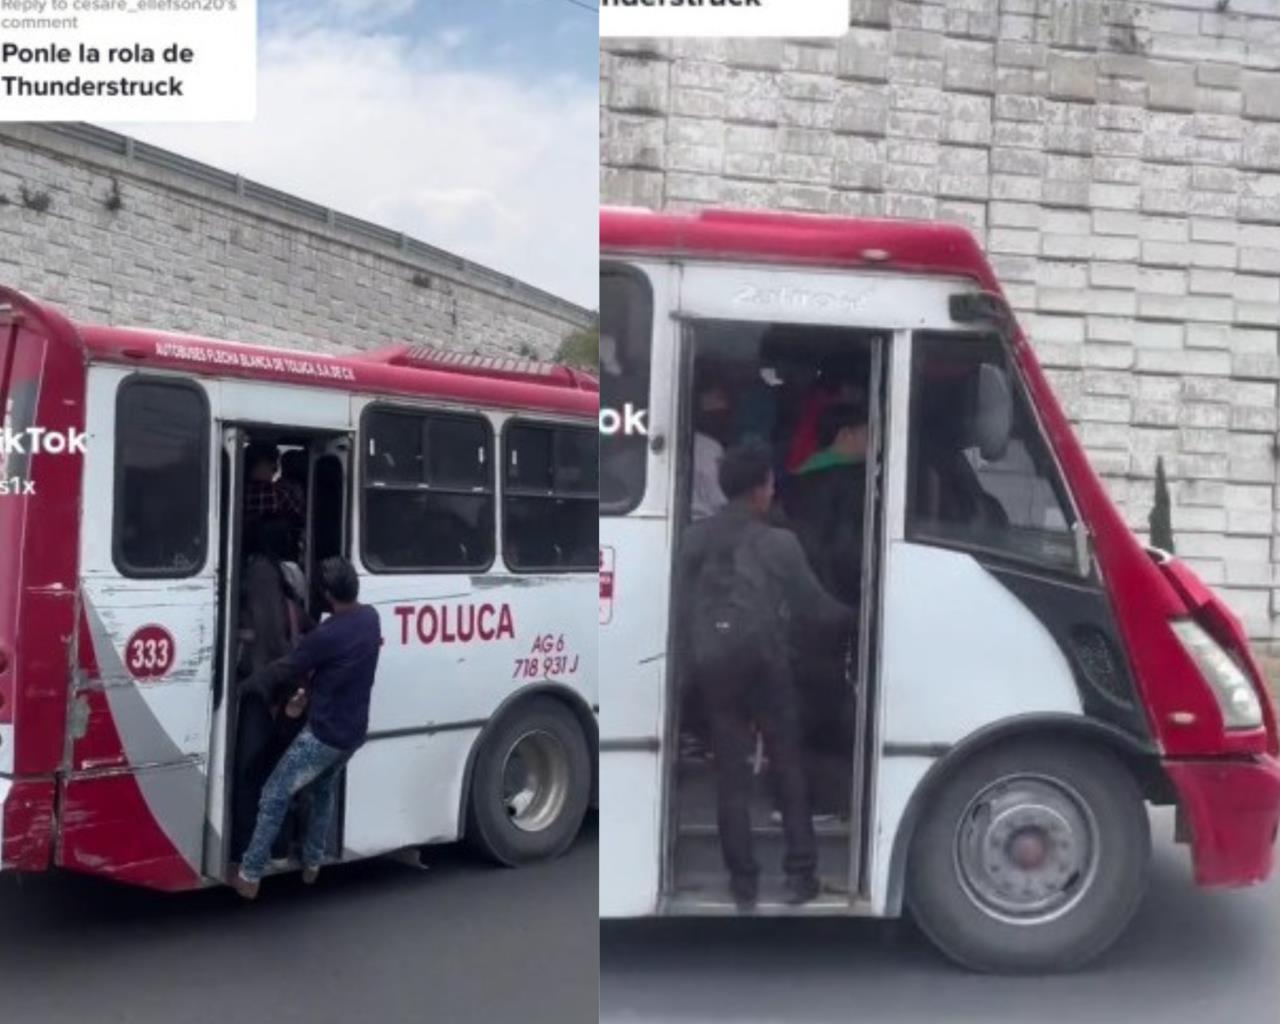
626	336
428	492
550	503
964	491
162	478
19	416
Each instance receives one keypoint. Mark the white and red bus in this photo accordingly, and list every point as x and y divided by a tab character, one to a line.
464	490
1026	678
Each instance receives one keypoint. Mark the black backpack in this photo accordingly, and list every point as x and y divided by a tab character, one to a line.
731	613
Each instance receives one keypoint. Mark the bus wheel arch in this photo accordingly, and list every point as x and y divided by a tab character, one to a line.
549	733
1089	781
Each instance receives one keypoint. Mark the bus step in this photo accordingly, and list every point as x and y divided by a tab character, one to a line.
411	857
698	856
822	826
706	893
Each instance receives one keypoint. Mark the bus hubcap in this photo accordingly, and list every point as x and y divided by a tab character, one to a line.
535	781
1026	849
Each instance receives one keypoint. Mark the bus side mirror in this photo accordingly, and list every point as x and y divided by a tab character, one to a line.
994	421
1084	557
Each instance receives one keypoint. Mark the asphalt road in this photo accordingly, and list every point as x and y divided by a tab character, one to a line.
1191	955
375	943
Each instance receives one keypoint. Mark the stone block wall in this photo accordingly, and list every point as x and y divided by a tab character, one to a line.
1119	160
185	247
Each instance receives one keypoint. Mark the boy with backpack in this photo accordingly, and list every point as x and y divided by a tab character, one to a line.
745	583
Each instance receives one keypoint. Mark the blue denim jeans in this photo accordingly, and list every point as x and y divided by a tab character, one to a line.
308	769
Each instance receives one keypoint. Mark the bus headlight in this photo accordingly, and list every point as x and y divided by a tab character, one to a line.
1237	699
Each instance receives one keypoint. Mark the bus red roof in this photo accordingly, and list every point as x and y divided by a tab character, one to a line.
403	370
933	248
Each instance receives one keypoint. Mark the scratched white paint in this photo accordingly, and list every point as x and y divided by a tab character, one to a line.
406	791
6	749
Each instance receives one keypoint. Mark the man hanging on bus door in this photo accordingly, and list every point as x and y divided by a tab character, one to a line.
342	655
745	581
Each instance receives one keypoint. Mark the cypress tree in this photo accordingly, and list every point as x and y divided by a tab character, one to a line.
1160	520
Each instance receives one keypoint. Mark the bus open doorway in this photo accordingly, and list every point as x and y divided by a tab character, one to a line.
291	515
814	397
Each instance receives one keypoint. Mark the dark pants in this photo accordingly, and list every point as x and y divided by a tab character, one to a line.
693	715
827	728
255	756
742	695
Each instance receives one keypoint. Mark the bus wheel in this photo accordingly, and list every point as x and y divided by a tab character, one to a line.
531	785
1032	857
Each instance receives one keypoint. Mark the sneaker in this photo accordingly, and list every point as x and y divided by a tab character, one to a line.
310	876
246	889
802	889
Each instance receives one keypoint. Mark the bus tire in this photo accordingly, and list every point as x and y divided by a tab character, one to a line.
530	785
1032	857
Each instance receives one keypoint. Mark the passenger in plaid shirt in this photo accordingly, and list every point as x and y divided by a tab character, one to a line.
263	494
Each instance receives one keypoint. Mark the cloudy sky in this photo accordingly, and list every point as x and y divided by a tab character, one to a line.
469	125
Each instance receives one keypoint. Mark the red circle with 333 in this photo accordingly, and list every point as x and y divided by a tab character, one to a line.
149	653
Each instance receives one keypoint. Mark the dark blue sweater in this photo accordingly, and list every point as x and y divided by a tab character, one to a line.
342	652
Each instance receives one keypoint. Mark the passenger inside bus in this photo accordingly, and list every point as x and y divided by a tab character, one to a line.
272	618
264	493
826	500
293	479
740	573
831	388
713	429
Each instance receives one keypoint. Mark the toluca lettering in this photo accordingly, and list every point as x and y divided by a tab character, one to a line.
41	440
455	623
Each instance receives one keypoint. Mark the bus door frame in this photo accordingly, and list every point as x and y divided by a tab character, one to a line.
888	388
224	720
322	441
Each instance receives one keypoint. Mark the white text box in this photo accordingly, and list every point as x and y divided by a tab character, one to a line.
128	60
803	19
